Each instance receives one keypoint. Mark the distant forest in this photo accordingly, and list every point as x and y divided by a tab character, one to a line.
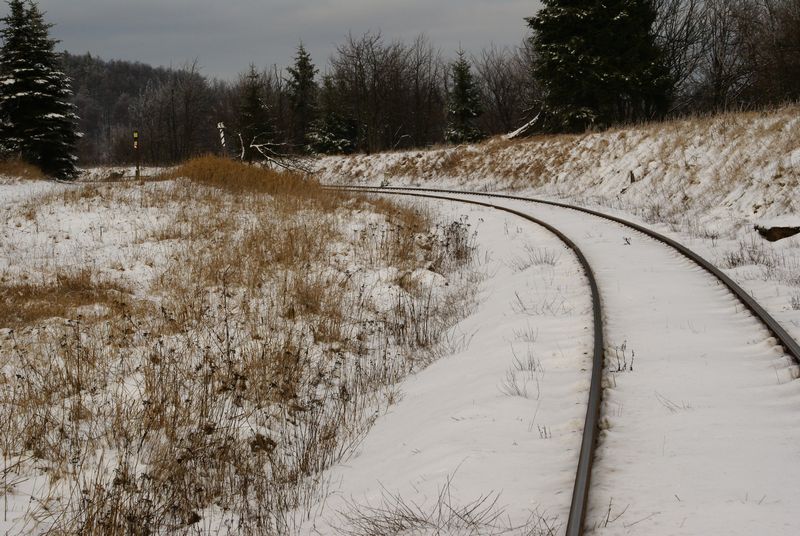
374	94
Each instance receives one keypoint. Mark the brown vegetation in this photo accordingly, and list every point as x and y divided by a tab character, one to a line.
19	169
212	397
26	303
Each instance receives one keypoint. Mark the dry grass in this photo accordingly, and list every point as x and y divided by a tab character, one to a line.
533	256
20	169
396	515
236	178
26	303
752	252
210	399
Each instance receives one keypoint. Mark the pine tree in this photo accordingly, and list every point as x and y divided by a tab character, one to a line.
37	120
254	121
302	96
464	105
333	132
598	63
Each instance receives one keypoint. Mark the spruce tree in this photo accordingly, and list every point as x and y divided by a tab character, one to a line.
598	63
334	131
254	120
302	89
37	119
464	104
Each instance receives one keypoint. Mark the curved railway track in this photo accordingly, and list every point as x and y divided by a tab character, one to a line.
579	502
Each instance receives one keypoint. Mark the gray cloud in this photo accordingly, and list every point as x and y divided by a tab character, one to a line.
226	35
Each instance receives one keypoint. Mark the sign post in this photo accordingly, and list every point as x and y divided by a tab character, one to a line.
136	152
221	127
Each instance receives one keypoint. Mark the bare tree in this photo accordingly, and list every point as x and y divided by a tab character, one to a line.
681	34
722	74
392	91
427	71
506	83
731	53
174	117
771	48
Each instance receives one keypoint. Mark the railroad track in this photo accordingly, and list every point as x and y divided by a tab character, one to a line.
579	503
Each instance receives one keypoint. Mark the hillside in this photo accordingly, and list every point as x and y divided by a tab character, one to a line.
737	167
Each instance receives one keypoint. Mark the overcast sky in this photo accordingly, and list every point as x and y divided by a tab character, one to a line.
227	35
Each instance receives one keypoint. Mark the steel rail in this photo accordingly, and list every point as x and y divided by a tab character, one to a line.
580	492
789	344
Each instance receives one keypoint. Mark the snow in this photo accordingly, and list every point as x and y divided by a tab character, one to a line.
701	428
700	417
116	230
67	237
456	420
101	174
705	427
785	220
702	435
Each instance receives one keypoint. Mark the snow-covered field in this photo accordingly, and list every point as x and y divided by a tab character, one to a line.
185	357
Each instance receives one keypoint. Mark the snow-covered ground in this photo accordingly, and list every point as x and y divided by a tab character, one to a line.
700	417
116	173
260	333
701	437
501	419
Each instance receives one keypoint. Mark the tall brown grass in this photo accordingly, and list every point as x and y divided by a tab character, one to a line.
25	303
238	178
19	169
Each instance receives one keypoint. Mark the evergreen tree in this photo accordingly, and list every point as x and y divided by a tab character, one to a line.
254	121
598	63
333	132
37	120
464	104
302	96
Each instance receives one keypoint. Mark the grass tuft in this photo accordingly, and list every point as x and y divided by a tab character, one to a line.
236	177
395	515
19	169
26	303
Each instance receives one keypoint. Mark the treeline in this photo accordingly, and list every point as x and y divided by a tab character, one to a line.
175	110
376	94
730	54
